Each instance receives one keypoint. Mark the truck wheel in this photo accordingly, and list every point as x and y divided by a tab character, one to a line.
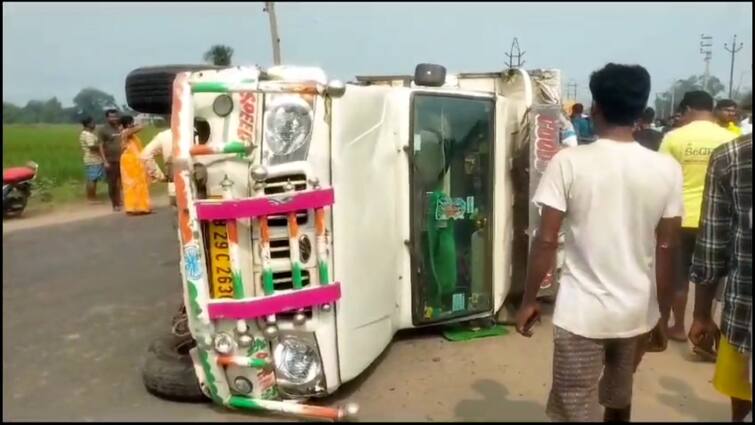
150	89
169	372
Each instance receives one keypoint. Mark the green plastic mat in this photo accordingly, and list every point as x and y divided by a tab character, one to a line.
465	333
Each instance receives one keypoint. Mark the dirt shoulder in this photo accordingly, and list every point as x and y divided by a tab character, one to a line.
76	211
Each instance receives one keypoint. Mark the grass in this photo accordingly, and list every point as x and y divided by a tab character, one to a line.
55	147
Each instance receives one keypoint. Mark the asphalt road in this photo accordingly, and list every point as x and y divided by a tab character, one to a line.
83	299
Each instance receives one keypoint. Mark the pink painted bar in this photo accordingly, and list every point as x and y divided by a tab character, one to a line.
264	306
256	207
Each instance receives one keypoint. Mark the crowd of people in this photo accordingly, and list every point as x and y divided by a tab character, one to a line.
645	211
114	153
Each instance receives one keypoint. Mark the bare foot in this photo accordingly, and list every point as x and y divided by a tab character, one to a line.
677	334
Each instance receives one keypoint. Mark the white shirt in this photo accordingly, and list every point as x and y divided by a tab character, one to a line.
746	126
162	142
614	194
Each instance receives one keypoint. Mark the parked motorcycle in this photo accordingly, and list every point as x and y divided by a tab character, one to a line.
17	184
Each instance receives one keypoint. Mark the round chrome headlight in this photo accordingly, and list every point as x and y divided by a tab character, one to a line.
224	343
222	105
296	361
288	124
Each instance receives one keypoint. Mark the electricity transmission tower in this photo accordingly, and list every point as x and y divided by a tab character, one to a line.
705	45
515	55
571	90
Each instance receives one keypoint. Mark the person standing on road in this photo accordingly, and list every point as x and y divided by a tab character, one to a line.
135	179
110	149
582	124
621	207
691	146
726	114
645	134
93	162
724	250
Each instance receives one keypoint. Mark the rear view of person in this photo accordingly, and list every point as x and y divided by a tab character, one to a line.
645	134
724	250
582	124
93	162
691	146
621	207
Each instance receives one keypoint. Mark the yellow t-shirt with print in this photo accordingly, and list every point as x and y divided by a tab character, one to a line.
691	146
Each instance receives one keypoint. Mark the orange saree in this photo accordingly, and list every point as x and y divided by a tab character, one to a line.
134	179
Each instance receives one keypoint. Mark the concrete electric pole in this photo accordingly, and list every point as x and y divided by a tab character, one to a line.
270	9
705	45
734	49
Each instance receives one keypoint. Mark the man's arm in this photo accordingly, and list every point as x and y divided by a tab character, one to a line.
666	252
148	157
710	261
551	195
543	252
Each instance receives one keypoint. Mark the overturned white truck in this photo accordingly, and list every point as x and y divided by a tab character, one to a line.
319	218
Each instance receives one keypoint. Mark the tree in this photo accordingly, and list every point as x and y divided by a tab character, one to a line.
93	102
663	105
11	113
52	112
219	54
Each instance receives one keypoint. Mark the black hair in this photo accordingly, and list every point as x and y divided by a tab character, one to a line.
726	103
577	108
697	100
202	130
110	111
648	115
87	121
127	120
621	91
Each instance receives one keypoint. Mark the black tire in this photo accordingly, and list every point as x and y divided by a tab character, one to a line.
150	89
429	75
169	372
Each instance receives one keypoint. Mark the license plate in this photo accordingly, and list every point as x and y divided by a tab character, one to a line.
220	260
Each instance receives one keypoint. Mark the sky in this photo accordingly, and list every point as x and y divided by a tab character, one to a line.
56	49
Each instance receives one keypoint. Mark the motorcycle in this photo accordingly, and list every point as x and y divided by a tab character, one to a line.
17	184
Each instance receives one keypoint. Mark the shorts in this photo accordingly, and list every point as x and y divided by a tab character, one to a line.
687	240
95	172
588	373
732	375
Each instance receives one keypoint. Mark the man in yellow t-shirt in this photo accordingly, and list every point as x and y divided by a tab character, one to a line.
726	114
691	146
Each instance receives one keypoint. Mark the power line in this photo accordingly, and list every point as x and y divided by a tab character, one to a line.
515	52
734	49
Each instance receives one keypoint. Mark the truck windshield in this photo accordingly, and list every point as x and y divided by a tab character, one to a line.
452	173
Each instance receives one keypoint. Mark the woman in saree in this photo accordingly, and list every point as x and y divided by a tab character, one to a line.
134	177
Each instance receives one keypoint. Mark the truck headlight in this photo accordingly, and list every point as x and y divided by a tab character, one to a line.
288	124
297	362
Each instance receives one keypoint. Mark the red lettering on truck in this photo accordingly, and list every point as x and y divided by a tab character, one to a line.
248	103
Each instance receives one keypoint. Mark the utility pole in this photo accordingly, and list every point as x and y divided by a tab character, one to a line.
515	52
705	45
734	49
571	90
270	9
